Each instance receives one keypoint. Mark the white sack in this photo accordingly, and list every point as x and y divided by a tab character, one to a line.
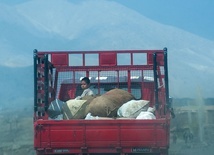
132	108
147	114
90	117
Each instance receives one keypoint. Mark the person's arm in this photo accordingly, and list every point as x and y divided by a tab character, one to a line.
86	92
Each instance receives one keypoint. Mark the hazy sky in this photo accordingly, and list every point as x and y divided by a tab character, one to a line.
193	55
195	16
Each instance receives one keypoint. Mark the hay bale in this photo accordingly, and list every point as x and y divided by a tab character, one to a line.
107	104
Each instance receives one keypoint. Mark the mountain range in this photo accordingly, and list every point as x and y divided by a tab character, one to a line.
96	25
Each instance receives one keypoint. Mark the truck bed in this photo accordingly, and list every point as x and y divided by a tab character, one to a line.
101	136
143	73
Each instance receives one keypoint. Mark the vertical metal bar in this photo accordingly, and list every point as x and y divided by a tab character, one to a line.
83	59
46	81
132	58
129	81
98	80
155	79
55	84
118	78
87	74
166	77
35	58
142	84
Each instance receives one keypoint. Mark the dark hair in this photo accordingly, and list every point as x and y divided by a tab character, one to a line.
86	79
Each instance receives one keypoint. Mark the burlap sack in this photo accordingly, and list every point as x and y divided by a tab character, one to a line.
88	98
107	104
75	109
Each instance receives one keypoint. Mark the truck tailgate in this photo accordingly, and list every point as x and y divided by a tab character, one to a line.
94	136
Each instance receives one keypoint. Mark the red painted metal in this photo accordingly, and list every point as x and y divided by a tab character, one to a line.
113	136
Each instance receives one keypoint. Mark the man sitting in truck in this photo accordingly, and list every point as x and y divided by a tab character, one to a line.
85	84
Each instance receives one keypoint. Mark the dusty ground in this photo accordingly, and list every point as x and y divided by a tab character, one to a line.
16	132
180	148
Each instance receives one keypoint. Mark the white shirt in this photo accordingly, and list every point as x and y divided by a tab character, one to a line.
86	92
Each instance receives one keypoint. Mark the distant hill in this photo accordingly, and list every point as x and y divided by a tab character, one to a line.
101	25
16	84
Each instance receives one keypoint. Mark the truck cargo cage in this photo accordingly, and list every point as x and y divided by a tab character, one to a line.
143	73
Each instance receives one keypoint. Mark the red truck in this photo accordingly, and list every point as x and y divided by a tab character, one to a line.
143	73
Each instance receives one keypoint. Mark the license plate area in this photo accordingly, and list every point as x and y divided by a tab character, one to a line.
140	149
